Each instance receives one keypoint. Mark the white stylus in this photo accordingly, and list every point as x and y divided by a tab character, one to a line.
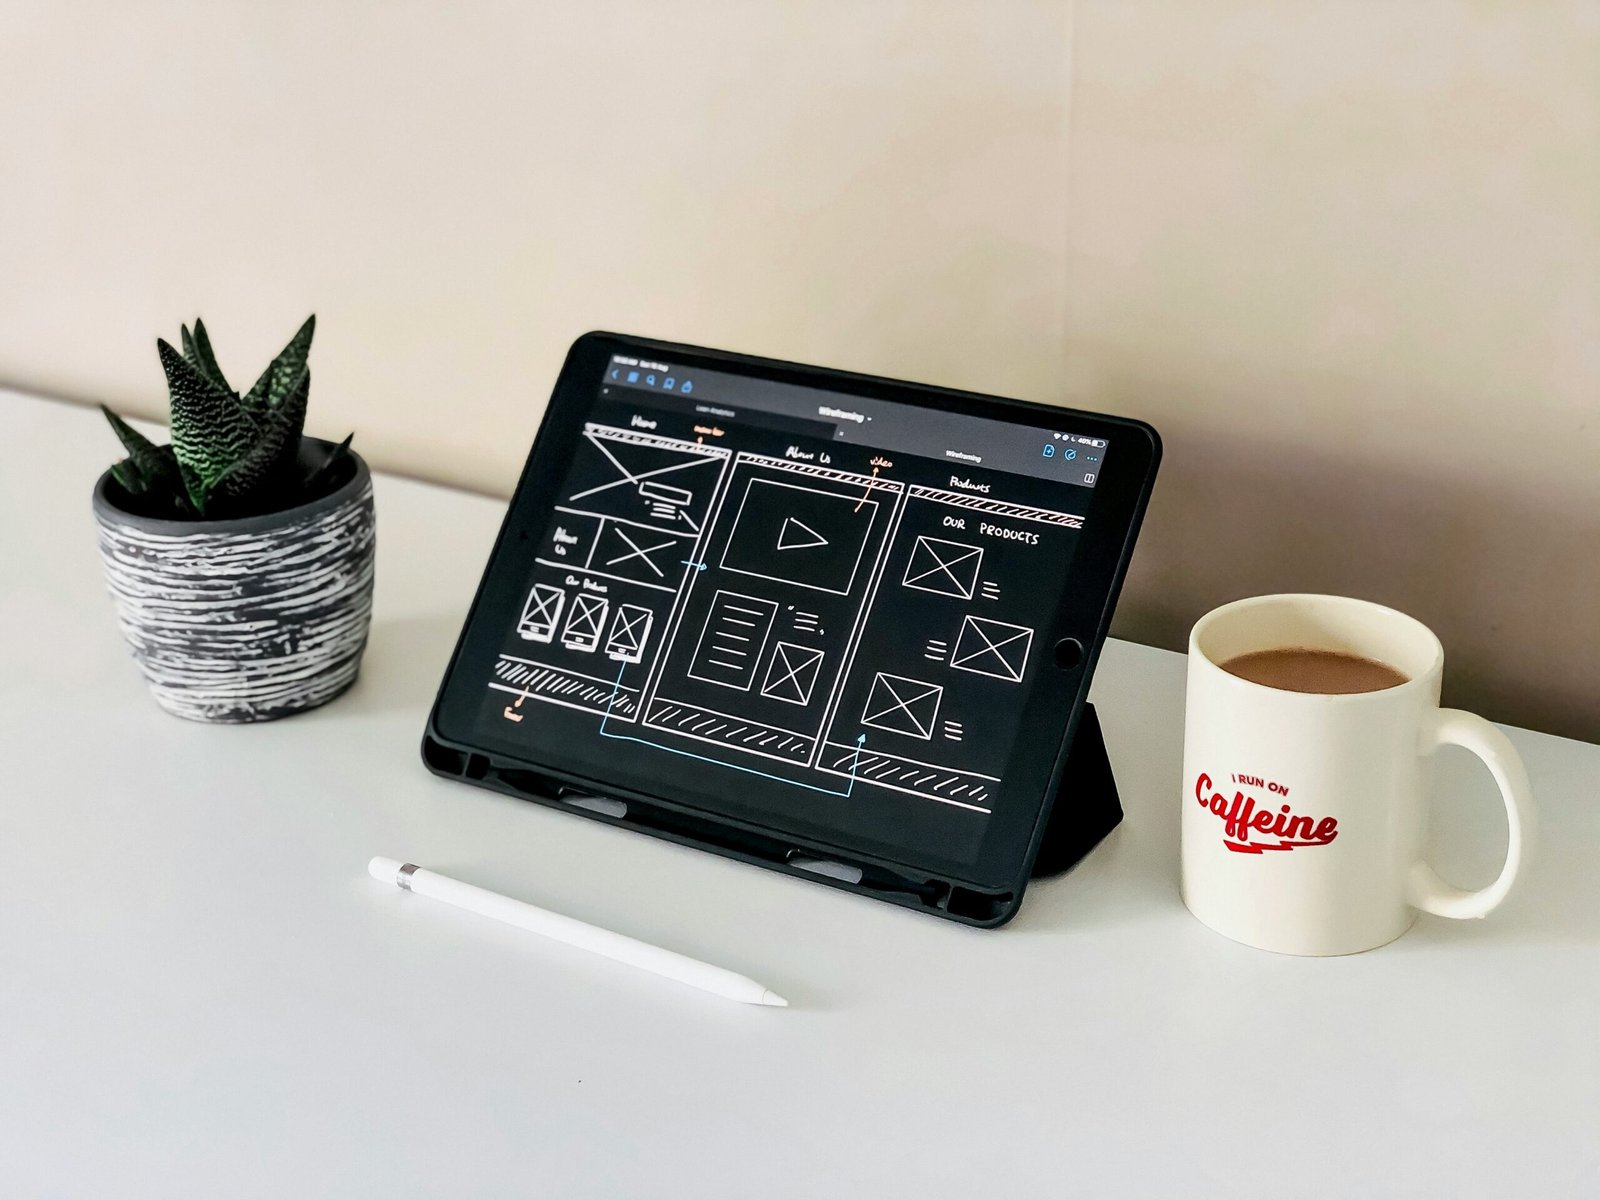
573	932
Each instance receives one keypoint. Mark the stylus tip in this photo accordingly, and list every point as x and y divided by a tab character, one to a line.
385	869
775	1000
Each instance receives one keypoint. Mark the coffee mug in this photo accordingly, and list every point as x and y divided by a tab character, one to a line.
1304	813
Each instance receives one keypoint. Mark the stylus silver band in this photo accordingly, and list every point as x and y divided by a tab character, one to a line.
404	877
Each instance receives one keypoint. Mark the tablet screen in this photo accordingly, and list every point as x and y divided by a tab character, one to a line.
809	609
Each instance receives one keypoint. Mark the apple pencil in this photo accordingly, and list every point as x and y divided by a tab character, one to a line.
573	932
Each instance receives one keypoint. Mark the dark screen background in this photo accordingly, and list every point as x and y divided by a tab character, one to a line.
894	626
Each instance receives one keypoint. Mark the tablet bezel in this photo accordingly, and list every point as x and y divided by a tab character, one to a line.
1050	711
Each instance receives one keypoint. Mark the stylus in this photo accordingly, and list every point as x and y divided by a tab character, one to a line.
572	932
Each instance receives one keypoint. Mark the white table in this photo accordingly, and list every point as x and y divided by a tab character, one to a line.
203	994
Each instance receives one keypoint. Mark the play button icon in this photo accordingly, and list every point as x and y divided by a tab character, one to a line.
797	535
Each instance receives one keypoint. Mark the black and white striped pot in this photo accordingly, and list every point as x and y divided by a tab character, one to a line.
246	620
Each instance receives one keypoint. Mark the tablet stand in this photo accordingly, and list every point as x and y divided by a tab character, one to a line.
1086	806
1085	809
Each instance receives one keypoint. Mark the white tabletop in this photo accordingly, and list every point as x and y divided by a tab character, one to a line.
202	993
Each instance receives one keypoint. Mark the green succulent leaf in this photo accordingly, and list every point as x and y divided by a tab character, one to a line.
148	467
277	382
198	351
270	461
211	431
141	450
320	476
159	488
133	480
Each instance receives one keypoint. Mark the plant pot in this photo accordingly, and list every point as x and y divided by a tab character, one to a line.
249	619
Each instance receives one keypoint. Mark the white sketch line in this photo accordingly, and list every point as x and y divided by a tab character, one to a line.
846	754
627	475
998	649
835	702
942	567
541	614
795	534
695	560
586	617
999	508
804	743
917	762
792	673
897	704
630	629
573	567
581	512
739	676
866	535
850	478
642	555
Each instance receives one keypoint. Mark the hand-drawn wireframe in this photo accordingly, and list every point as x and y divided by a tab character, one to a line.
998	508
667	502
795	534
732	640
801	534
792	673
630	629
541	614
586	618
995	648
900	705
724	729
930	781
524	678
946	568
637	512
634	463
630	552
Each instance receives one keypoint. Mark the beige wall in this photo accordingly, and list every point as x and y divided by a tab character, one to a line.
1346	256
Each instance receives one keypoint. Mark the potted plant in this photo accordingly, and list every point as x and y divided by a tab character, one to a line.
240	557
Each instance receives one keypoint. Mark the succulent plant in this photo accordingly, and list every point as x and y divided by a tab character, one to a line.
231	455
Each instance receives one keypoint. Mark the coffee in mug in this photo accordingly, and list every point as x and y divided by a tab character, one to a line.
1309	723
1326	672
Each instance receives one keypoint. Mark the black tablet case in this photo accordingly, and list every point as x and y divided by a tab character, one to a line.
1083	810
1080	815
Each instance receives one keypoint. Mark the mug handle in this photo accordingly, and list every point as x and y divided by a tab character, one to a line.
1424	888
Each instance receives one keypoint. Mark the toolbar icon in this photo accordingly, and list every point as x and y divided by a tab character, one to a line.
1049	450
688	386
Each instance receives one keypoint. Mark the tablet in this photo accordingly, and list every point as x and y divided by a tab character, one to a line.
798	615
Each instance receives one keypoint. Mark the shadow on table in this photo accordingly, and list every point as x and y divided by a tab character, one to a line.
403	666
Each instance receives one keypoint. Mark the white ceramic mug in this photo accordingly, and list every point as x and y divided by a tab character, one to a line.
1304	814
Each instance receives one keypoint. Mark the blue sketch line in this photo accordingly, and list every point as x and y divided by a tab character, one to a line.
622	737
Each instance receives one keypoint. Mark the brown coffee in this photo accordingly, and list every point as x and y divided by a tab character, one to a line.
1328	672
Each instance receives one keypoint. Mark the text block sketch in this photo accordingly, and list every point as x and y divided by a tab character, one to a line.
731	642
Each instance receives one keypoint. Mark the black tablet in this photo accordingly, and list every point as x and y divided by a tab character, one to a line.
798	615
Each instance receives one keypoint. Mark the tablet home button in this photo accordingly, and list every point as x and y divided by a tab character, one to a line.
1069	653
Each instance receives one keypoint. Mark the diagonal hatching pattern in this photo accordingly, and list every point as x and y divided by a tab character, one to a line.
734	731
936	783
549	683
